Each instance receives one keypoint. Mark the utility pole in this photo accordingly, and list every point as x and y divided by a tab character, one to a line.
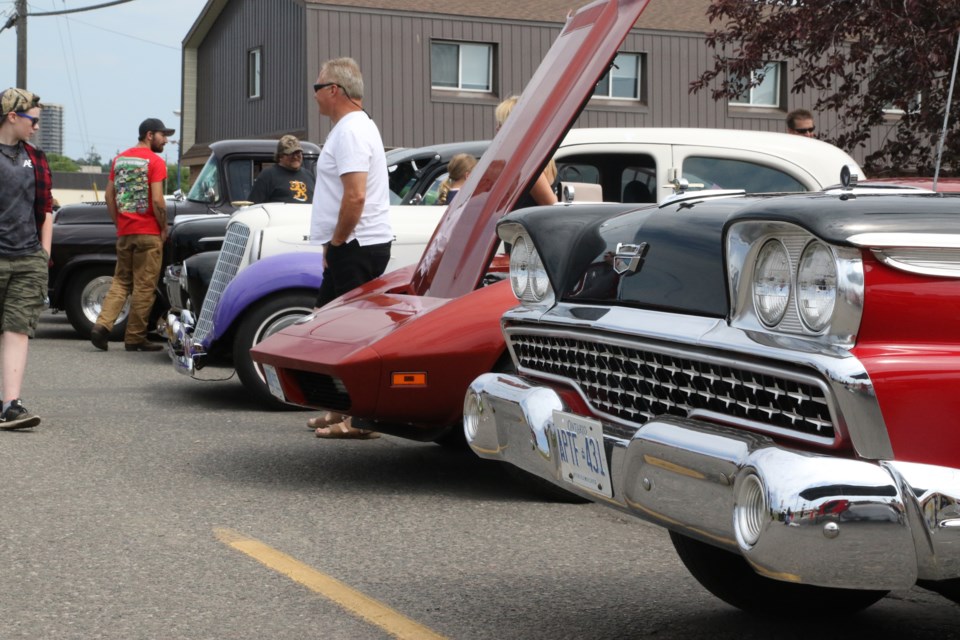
21	9
20	19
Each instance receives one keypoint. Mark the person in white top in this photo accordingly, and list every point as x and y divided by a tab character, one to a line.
351	202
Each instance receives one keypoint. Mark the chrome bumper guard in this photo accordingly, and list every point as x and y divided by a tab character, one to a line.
172	284
794	515
183	351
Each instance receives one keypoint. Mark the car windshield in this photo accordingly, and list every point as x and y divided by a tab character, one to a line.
403	176
206	189
432	194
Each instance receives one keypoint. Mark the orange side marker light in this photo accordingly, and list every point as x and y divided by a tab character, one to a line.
408	379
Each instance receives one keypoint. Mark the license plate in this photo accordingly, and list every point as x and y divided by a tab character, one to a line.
273	381
579	446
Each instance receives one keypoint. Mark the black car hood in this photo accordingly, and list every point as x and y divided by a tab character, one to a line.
83	213
671	258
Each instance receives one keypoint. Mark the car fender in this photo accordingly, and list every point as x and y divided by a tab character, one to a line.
302	270
452	343
71	266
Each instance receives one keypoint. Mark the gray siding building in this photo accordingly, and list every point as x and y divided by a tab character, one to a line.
435	69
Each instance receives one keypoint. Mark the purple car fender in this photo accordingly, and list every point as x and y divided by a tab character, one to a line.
302	270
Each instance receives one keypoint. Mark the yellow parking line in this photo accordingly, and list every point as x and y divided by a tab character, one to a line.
357	603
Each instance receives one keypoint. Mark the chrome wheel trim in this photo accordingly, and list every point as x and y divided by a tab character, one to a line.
91	299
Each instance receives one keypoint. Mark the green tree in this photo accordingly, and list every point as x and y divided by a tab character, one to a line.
92	158
861	57
170	185
62	163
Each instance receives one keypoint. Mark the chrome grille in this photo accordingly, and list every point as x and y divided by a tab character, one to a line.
228	263
636	382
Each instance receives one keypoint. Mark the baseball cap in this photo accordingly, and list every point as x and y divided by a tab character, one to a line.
287	144
155	124
14	99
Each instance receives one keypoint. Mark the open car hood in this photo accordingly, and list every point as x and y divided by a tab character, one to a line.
460	249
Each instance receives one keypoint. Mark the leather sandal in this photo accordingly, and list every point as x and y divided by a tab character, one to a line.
327	419
343	431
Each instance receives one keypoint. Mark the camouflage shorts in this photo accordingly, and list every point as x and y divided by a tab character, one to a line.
23	291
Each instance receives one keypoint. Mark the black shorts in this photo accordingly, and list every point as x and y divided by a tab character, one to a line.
349	266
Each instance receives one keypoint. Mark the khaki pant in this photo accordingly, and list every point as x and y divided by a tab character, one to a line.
139	259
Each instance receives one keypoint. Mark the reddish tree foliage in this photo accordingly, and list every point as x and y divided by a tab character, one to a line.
859	57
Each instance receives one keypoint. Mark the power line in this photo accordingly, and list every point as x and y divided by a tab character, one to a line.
120	33
78	10
74	80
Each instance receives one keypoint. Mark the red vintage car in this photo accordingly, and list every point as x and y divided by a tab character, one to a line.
398	353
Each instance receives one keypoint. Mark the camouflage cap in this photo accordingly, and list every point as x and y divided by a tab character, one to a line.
14	99
287	144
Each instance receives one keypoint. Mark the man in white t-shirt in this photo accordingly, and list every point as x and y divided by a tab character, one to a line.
351	201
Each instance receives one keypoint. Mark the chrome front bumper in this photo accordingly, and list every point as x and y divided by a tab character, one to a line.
185	354
822	520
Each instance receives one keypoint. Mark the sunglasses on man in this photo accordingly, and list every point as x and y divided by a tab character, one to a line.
805	131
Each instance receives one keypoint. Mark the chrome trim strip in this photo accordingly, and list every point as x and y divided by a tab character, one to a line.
890	240
921	263
852	396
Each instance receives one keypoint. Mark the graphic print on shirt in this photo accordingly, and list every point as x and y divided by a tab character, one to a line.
299	190
132	183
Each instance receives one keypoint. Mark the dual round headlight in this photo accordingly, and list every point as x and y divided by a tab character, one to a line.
772	282
816	286
528	278
815	280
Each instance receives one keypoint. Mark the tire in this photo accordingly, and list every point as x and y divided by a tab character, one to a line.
729	577
258	323
83	299
454	439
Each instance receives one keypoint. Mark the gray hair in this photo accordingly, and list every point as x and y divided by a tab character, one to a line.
346	73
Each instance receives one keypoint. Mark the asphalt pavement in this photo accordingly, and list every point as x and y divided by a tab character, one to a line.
149	505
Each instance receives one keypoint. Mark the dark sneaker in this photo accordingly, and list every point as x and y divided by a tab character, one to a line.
143	346
17	417
99	336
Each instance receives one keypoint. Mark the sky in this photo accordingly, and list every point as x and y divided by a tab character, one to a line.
110	68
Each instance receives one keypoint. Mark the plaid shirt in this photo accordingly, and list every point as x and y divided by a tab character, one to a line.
43	198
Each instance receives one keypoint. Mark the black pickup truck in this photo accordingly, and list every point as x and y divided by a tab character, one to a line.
83	255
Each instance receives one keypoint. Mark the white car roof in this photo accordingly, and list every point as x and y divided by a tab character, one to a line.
818	158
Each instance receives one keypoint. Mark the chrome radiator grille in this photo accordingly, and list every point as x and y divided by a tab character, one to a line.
636	382
228	263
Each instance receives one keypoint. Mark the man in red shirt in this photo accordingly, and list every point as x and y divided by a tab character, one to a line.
136	205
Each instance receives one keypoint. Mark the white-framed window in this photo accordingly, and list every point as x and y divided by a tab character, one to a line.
765	94
461	66
254	72
623	80
912	107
